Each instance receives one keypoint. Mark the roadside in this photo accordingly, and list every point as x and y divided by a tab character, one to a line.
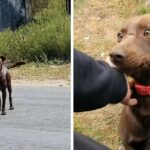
40	120
56	83
41	75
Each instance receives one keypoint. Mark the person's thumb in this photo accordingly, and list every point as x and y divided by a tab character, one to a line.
130	102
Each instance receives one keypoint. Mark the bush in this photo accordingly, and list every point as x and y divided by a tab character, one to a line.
143	10
48	37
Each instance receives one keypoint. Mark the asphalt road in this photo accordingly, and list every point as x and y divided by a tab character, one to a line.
40	121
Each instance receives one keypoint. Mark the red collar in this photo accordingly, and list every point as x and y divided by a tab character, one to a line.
142	90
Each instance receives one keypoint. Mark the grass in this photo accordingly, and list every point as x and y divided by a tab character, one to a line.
96	24
45	38
36	71
45	41
101	125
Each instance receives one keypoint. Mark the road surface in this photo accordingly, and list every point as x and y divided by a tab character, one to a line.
40	121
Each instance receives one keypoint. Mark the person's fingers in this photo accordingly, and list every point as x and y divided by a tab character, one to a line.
128	94
127	100
130	102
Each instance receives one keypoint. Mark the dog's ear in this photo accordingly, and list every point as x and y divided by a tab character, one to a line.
3	58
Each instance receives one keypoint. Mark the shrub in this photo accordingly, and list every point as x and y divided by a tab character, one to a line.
143	10
48	37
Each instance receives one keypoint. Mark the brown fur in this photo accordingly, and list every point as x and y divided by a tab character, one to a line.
5	82
132	55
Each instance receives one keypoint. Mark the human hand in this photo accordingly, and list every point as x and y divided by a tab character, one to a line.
127	100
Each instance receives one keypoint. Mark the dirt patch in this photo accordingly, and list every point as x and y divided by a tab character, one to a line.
41	72
41	83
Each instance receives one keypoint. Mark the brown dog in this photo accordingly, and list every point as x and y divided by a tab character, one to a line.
132	56
5	82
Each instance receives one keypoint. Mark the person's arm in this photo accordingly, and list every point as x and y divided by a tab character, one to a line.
82	142
96	83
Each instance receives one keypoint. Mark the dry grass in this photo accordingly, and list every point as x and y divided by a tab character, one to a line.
95	27
101	125
41	72
96	23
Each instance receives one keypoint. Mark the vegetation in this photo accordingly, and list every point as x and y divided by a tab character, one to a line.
43	72
38	5
144	10
46	38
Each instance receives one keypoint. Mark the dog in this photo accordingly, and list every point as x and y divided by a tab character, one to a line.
5	82
132	56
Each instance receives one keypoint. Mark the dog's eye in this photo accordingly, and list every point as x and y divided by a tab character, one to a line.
120	36
147	32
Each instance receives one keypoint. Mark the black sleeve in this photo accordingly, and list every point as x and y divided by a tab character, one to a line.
96	83
82	142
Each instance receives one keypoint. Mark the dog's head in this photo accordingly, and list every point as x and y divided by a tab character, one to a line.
2	61
132	53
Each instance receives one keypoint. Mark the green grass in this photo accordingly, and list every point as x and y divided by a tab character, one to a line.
38	5
143	10
46	38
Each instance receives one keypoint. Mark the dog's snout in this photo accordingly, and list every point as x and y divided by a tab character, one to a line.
117	55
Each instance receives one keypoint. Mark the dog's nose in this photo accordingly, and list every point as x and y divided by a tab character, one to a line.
117	55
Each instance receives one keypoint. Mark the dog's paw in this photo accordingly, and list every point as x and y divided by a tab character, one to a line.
11	108
3	113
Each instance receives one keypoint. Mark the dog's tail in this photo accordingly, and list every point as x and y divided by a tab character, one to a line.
19	63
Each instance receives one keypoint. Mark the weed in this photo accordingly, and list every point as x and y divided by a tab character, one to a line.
47	38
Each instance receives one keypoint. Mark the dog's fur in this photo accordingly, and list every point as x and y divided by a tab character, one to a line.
5	82
132	56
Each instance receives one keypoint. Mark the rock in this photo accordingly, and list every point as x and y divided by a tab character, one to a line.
14	13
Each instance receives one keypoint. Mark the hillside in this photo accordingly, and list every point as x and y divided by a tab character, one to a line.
47	37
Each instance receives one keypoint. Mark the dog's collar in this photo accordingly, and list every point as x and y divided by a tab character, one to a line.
142	90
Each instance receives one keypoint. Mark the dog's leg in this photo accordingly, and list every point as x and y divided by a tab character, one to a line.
8	77
0	104
3	101
10	97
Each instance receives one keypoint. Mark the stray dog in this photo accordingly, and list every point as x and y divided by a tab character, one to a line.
132	56
5	82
